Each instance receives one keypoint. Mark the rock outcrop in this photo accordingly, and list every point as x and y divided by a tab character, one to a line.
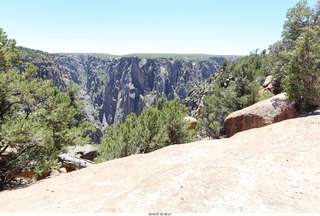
271	85
193	122
87	152
71	163
274	169
111	88
269	111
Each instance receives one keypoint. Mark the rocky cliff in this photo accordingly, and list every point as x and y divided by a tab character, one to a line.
114	87
274	169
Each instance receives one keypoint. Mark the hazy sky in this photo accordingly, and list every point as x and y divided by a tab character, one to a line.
145	26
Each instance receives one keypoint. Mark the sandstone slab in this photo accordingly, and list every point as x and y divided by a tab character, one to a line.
273	169
266	112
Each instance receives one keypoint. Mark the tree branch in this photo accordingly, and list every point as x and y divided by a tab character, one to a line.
4	149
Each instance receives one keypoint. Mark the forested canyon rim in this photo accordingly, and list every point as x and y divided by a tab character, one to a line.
113	87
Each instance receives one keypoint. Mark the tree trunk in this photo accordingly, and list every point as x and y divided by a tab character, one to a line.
3	150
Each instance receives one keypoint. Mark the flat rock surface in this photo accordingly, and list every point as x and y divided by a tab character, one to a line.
275	168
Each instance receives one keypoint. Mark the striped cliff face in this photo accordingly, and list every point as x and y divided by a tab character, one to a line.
113	87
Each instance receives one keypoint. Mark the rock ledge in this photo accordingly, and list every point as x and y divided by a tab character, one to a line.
274	169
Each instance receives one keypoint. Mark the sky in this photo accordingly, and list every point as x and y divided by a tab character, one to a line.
219	27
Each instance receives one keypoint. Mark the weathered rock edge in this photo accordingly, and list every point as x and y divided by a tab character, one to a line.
266	112
272	169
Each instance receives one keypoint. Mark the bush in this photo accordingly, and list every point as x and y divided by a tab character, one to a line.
242	90
157	126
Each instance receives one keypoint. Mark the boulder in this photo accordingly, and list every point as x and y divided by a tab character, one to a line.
193	122
63	170
266	112
73	163
139	150
267	89
269	79
270	85
87	152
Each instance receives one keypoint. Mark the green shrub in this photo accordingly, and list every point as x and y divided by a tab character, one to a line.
157	126
37	121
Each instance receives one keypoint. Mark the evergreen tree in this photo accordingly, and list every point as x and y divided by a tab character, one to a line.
157	126
302	82
298	17
300	56
219	103
8	53
37	121
152	132
236	86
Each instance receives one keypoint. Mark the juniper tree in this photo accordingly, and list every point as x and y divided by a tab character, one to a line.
300	56
302	82
242	91
37	121
157	126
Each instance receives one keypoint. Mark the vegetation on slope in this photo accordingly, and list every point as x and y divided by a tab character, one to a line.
294	62
157	126
235	86
181	56
157	55
37	121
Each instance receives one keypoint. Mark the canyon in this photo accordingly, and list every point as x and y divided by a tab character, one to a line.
113	87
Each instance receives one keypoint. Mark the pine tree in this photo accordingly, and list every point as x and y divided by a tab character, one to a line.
37	121
298	18
299	56
219	103
302	82
157	126
8	53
